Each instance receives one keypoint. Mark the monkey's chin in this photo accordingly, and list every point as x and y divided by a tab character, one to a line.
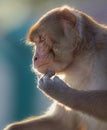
43	70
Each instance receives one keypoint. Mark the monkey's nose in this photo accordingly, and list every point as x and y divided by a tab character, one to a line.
35	58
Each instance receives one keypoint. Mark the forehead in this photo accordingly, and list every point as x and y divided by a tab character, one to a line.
51	23
48	20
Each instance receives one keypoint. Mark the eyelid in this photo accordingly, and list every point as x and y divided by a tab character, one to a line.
42	38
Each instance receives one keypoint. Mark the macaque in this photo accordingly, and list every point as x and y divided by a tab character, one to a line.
71	57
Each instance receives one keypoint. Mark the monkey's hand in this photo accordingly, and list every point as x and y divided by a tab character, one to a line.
58	90
53	87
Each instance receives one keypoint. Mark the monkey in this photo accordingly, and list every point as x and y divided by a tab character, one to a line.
71	60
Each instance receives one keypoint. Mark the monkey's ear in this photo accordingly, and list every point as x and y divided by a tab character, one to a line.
68	15
68	20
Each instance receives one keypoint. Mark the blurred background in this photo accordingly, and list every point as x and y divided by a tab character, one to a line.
19	97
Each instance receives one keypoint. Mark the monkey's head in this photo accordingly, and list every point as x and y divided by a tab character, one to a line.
54	37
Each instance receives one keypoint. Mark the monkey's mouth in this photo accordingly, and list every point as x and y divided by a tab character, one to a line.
41	65
42	68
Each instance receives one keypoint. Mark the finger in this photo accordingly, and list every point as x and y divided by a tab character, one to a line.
59	81
49	74
56	79
40	82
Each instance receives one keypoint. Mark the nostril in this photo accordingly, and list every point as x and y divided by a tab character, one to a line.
35	58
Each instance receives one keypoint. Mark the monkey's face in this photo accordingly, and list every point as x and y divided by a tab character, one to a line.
54	38
50	55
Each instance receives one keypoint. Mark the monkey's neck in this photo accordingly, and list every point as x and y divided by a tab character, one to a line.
83	67
78	74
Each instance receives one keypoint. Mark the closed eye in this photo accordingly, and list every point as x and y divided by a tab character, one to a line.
42	38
